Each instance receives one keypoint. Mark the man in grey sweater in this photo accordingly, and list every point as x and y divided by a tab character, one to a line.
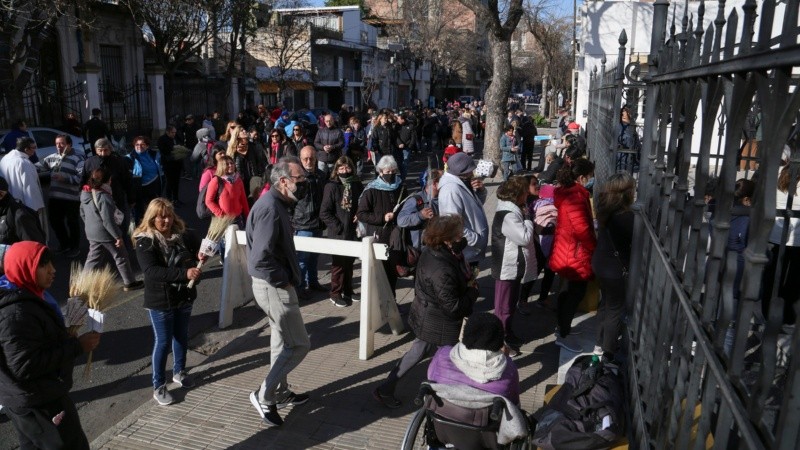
273	265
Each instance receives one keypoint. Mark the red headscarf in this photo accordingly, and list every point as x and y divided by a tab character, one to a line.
20	264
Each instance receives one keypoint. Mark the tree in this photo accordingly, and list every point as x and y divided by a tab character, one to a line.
176	30
553	35
239	28
501	21
26	25
284	47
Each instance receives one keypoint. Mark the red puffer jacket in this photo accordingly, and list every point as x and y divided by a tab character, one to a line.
574	240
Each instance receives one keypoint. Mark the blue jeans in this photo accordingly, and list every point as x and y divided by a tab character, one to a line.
169	327
308	261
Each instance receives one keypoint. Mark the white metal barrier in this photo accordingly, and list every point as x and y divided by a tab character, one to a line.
378	304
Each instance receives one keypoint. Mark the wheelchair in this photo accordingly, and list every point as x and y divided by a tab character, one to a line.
440	424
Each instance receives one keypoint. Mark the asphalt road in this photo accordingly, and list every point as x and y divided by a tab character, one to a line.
120	375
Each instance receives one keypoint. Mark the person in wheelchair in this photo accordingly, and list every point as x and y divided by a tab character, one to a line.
471	400
479	360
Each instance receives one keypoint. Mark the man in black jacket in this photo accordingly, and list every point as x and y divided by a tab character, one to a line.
121	180
329	143
37	354
95	128
306	220
406	141
272	263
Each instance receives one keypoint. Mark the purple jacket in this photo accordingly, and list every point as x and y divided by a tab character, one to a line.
442	370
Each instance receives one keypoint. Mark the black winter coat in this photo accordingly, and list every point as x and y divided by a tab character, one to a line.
165	285
373	206
442	298
614	236
383	140
252	164
338	221
305	213
121	178
37	352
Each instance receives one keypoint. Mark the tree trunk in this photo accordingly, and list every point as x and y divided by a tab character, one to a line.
497	96
543	103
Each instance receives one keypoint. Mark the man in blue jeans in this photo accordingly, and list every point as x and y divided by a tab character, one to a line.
306	221
273	265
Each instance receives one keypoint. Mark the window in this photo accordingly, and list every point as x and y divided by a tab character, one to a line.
112	65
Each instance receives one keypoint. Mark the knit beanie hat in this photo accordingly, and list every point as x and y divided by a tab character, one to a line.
483	331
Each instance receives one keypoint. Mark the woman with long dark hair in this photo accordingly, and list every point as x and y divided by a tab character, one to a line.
611	258
574	242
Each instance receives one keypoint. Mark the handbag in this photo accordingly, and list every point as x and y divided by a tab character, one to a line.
404	251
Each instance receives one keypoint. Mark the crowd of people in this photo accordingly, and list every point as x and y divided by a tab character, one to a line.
278	177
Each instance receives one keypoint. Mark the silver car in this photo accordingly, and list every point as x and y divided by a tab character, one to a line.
46	140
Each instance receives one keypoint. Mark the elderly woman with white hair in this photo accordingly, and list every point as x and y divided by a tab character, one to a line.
377	207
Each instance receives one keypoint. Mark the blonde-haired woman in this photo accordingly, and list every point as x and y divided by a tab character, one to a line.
168	256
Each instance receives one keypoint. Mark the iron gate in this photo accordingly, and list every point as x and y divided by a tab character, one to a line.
45	104
126	107
706	367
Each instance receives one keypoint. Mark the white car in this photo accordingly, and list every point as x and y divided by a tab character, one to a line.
46	141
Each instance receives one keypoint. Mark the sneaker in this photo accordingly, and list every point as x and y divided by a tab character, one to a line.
292	400
513	352
133	286
597	350
389	401
162	396
568	347
183	379
269	413
338	301
355	298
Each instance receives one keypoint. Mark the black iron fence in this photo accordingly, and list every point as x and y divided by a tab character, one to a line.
712	332
45	103
126	108
195	96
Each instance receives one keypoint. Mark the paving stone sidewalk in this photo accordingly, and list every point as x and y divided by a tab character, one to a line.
341	414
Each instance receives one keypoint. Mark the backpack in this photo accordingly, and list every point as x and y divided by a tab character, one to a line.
587	412
202	210
8	222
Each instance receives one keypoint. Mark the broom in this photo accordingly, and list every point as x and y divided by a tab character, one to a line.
210	245
98	290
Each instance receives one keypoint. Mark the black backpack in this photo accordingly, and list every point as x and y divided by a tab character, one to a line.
587	412
8	224
202	210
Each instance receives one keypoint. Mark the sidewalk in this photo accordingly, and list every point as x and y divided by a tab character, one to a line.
341	414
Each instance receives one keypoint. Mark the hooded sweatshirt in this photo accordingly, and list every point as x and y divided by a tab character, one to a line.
492	372
456	198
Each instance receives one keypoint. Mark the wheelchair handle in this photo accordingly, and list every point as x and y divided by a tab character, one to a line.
498	405
424	389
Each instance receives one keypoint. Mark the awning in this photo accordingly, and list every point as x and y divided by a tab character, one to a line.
271	87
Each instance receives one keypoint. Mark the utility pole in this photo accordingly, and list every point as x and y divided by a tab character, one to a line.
574	55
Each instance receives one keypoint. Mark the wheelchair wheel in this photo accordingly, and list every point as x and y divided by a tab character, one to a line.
415	437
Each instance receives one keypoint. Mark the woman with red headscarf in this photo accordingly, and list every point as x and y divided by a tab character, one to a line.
38	353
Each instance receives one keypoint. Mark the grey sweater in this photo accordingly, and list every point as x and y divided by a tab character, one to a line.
99	220
271	255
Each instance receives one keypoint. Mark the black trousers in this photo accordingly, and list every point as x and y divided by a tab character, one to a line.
568	302
65	218
342	275
36	430
419	350
172	172
146	194
610	312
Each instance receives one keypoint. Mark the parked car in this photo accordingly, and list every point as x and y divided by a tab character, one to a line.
46	140
320	111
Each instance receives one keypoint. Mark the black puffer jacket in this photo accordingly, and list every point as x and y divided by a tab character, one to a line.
383	140
372	208
441	297
37	353
305	213
165	286
339	221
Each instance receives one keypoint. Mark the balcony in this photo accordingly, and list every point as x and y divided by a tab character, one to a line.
320	32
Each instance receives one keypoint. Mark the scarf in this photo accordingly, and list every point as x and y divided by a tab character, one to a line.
347	201
482	366
20	264
164	243
381	185
231	178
